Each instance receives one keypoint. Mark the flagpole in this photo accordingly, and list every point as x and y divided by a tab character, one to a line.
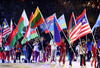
91	30
92	34
75	24
68	42
47	28
45	23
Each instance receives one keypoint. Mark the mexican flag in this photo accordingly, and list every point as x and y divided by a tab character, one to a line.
17	32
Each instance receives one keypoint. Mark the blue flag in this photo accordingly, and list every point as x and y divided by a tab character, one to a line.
48	24
97	24
5	24
62	22
57	37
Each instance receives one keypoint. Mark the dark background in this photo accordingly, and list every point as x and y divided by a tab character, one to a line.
12	9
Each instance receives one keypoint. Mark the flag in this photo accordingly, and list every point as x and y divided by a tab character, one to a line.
11	25
43	27
31	16
76	30
62	22
24	20
6	29
17	33
85	28
24	16
37	18
11	29
30	32
48	24
72	29
0	36
97	24
57	37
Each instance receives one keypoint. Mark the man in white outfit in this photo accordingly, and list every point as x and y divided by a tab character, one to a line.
53	50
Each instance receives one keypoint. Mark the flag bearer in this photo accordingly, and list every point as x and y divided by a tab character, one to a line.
62	51
94	56
7	51
82	51
53	50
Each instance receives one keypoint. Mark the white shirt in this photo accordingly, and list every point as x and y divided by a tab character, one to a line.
36	47
53	45
7	48
82	50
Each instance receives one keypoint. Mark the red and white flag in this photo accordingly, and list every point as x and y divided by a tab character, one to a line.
73	29
85	28
6	29
0	36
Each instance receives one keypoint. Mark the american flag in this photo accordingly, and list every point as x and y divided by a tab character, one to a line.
6	28
0	36
85	28
73	29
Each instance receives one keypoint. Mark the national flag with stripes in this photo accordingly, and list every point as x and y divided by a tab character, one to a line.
85	28
36	19
6	29
0	36
73	29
